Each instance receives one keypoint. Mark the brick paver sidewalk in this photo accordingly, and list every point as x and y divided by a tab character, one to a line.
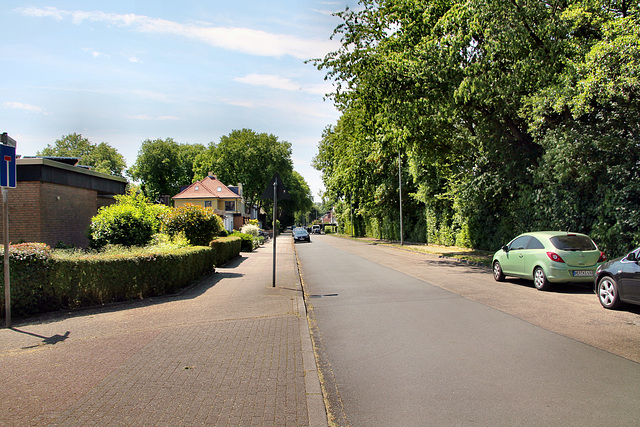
230	351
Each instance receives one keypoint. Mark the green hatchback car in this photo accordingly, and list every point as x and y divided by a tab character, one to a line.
548	257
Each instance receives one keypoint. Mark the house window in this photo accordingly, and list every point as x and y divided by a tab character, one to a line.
207	203
230	206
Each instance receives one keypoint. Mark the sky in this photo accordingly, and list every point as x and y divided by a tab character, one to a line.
124	71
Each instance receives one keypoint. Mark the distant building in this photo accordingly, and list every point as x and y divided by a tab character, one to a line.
328	218
55	199
225	201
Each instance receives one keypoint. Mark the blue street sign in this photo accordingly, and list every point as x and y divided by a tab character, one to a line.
7	166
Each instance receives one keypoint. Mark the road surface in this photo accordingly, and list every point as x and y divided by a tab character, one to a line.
408	339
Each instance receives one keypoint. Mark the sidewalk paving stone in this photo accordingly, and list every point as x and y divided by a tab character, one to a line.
230	351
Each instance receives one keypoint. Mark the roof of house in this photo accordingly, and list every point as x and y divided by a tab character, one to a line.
208	188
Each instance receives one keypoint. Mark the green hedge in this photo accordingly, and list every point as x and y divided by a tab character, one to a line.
29	267
226	248
43	280
247	241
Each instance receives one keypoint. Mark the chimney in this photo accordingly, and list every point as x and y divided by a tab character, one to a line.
240	189
211	175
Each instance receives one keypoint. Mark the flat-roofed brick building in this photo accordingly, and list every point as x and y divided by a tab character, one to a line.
54	200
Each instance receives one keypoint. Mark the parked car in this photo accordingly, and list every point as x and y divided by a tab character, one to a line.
301	235
618	281
548	257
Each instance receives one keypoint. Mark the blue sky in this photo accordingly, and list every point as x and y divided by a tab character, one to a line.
122	72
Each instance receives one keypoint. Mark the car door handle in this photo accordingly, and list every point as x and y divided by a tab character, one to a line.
521	256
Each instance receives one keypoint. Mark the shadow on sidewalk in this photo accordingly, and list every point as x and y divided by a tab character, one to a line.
55	339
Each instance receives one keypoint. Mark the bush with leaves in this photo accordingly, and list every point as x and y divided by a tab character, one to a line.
199	224
247	241
131	221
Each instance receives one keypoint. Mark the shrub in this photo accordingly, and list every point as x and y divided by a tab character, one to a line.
119	274
329	229
247	241
199	224
252	229
29	265
131	221
120	225
226	248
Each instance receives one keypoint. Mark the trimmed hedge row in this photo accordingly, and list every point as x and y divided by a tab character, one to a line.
226	248
42	280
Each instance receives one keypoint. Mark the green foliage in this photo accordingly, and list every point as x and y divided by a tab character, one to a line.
131	221
120	225
330	229
83	279
226	248
252	158
247	240
499	128
163	166
43	280
29	265
101	157
199	224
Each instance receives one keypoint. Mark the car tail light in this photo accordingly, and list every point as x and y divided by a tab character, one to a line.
554	257
602	258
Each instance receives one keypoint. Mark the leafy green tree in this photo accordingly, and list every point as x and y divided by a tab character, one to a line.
101	157
478	98
246	157
163	166
252	159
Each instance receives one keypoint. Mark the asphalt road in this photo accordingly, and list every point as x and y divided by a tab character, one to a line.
408	339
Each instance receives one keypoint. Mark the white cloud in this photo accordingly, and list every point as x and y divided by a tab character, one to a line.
133	58
153	118
95	53
22	106
269	80
246	40
283	83
240	103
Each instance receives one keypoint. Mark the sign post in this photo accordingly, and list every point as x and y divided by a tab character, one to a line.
279	192
7	180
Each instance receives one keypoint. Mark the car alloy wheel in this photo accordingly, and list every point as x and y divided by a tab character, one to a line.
540	280
608	292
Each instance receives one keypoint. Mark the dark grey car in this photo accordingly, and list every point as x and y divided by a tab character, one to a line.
301	235
618	281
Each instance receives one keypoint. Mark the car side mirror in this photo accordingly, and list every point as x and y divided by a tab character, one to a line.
632	257
505	248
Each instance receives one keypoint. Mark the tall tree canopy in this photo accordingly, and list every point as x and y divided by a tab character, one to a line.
163	165
252	158
101	157
507	116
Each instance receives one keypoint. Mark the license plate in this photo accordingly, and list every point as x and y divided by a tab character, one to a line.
582	273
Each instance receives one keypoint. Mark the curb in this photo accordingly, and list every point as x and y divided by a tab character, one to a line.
316	408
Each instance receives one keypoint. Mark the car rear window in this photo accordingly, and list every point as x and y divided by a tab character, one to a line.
573	243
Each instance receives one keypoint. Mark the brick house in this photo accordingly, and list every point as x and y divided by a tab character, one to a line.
227	202
54	200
